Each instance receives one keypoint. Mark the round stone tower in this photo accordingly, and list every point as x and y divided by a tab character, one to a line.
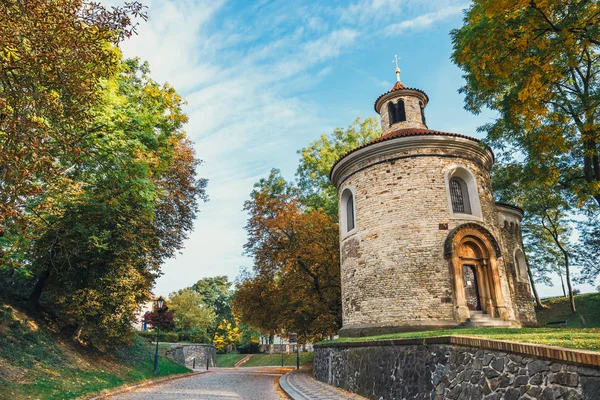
421	237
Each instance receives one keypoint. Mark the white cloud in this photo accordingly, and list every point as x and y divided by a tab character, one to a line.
423	21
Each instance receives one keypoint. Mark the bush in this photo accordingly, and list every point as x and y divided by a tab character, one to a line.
194	336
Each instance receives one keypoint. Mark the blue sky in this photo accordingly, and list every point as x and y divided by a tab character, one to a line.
264	78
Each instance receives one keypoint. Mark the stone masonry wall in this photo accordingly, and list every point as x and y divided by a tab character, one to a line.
412	108
393	268
519	288
441	371
185	354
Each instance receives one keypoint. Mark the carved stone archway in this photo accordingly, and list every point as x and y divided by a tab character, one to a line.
474	246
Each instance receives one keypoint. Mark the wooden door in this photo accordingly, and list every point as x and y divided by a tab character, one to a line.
471	288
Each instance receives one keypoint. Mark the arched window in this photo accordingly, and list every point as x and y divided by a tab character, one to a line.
350	212
520	265
391	113
422	113
396	112
459	194
348	222
462	193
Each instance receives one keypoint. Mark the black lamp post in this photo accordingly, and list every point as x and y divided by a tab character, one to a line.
159	307
294	340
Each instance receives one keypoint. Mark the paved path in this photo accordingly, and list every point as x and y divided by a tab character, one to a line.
253	383
299	385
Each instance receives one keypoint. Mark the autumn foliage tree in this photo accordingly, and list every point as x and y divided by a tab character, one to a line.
54	56
295	282
538	63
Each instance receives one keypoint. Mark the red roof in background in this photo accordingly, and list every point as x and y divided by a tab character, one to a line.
399	85
403	133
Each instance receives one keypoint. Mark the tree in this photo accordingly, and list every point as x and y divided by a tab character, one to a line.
164	319
318	157
54	56
190	311
537	64
546	227
295	285
216	295
589	249
96	241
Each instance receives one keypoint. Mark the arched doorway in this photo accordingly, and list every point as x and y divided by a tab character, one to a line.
473	253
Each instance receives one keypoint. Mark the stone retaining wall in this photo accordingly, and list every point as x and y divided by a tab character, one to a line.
184	354
458	368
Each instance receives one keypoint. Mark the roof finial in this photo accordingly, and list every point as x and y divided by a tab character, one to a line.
396	58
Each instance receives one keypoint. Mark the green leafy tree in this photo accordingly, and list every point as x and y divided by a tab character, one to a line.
589	249
54	56
318	157
216	294
191	313
537	64
546	226
97	240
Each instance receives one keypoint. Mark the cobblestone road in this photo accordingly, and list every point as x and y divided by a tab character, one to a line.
221	383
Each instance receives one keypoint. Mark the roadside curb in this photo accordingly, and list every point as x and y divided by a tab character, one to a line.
292	393
149	382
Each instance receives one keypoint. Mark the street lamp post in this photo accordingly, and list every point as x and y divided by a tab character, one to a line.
294	340
159	306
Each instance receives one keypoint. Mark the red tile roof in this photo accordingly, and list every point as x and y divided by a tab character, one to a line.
407	132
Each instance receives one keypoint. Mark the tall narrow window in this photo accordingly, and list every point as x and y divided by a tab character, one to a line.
400	112
459	195
391	113
347	219
422	113
350	213
521	265
396	112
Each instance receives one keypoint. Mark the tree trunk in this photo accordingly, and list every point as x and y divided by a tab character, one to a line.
76	333
536	296
35	295
568	276
562	282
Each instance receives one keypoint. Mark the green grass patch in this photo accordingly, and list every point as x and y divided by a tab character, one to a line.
228	360
587	305
36	364
574	336
274	360
583	339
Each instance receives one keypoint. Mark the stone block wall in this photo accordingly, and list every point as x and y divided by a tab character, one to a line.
184	354
393	268
440	371
412	108
520	290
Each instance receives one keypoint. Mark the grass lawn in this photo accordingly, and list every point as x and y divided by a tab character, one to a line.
558	309
36	364
229	360
587	305
265	360
583	339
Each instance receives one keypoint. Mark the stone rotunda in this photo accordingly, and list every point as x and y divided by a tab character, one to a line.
423	244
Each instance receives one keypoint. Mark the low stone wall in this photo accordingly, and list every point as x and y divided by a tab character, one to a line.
458	368
184	354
